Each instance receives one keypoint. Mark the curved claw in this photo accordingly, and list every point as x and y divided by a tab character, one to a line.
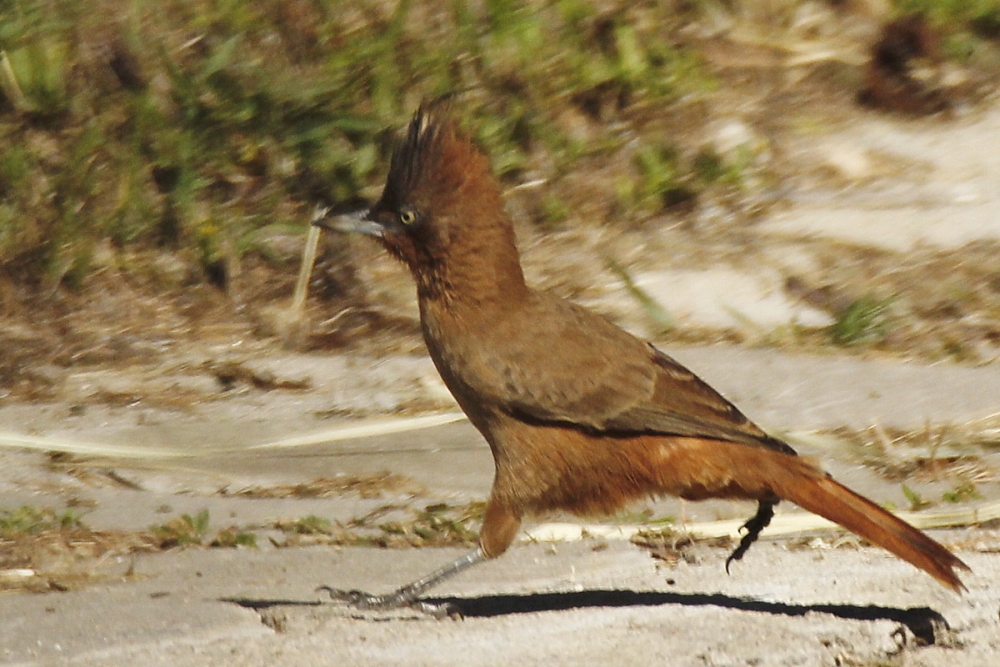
757	523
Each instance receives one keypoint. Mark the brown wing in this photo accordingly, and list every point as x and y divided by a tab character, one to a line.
602	378
683	404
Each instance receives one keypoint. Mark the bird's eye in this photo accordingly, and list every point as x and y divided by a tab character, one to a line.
407	216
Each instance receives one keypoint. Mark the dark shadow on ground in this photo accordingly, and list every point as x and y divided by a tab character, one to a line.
927	625
922	621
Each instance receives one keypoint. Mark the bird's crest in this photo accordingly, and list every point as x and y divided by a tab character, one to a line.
436	158
429	130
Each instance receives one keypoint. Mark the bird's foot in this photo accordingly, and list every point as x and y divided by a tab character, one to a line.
362	600
397	600
753	526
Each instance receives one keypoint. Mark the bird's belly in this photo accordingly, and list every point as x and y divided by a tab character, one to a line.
556	468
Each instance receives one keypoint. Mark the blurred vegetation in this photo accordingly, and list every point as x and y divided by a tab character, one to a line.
391	526
201	129
190	529
30	520
661	322
196	125
866	320
965	23
979	16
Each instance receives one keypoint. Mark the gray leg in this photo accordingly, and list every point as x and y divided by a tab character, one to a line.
408	595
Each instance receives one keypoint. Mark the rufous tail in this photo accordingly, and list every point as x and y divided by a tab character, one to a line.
800	482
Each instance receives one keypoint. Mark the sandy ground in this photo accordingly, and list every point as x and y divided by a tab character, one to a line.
538	606
789	602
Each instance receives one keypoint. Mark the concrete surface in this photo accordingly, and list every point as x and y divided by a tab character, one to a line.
537	606
587	602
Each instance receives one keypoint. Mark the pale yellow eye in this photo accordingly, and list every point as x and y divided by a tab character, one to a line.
407	216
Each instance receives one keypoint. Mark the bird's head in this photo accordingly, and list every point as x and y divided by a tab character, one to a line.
441	205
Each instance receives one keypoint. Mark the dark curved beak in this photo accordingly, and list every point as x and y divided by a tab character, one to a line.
356	222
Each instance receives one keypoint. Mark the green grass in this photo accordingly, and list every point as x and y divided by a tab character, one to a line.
192	126
308	525
982	16
962	492
438	524
965	24
30	520
185	529
660	320
865	321
192	529
917	502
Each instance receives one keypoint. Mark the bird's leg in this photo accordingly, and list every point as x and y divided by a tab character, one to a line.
500	526
754	526
408	596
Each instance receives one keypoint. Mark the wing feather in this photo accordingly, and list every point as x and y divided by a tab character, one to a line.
609	381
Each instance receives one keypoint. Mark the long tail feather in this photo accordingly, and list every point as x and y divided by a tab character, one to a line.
817	492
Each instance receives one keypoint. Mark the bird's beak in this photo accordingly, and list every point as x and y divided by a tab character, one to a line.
357	222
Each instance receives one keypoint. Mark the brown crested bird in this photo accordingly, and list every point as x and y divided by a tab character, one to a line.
580	415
